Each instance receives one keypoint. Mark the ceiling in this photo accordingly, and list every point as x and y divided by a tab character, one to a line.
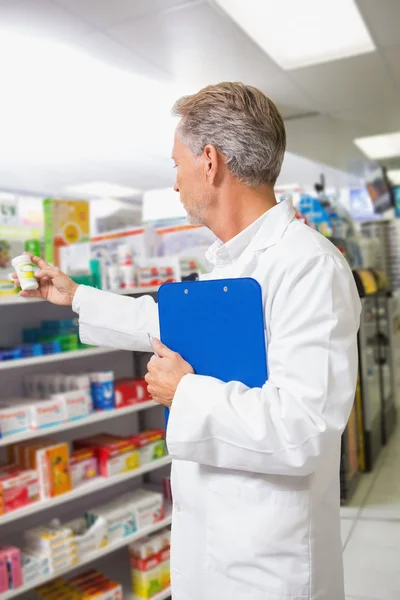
188	44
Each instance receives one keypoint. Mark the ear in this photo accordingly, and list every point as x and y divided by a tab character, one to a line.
211	162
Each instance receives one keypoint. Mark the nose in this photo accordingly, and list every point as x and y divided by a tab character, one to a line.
176	188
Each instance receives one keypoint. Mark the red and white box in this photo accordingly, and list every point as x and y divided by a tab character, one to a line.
130	391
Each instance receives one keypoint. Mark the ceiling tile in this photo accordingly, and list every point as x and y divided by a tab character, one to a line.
382	117
105	13
348	83
197	45
382	19
101	47
41	18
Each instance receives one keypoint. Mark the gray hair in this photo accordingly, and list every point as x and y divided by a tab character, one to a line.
242	123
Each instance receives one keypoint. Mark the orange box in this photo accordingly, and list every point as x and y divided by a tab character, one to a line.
53	467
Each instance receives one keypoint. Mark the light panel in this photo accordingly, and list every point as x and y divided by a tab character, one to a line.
382	146
299	33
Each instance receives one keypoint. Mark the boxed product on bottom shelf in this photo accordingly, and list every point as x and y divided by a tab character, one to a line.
91	585
150	564
44	468
55	547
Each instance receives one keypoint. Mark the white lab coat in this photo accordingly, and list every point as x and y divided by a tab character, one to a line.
256	471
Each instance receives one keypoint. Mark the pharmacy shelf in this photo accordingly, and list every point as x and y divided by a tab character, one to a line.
14	299
51	358
97	417
93	557
161	596
97	485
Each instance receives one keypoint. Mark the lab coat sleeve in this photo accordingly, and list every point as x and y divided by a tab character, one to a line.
107	319
293	421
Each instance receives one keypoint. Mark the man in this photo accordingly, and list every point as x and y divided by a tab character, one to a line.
255	471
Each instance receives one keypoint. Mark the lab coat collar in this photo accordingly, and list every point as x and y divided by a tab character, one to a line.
260	235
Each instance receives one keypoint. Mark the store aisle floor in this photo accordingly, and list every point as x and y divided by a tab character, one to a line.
371	531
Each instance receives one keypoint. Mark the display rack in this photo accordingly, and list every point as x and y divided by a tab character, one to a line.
100	485
91	558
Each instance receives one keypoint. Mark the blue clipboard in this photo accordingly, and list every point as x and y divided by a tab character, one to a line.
218	327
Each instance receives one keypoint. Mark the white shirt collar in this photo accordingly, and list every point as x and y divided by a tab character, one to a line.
262	233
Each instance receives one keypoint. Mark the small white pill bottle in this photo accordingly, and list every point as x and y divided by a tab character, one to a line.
26	272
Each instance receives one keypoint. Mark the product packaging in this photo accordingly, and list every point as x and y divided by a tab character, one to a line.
119	518
151	445
84	466
3	574
34	567
148	507
130	391
76	404
116	455
103	390
26	272
53	468
89	538
150	564
66	222
18	487
13	419
12	556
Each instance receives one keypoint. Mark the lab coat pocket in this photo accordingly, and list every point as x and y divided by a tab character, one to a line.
258	535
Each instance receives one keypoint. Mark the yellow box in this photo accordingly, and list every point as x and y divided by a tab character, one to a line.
66	222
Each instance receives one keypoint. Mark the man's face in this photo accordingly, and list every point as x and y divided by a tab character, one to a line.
190	182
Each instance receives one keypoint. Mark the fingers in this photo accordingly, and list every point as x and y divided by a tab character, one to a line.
30	294
162	350
42	264
47	271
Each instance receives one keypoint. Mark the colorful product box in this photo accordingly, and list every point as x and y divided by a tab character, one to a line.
18	487
53	468
148	507
151	445
146	581
3	574
116	455
66	222
130	391
84	466
13	419
13	558
119	518
89	538
77	404
103	390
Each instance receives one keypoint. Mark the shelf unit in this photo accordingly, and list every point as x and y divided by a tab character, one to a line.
97	417
16	300
93	557
100	484
97	485
20	363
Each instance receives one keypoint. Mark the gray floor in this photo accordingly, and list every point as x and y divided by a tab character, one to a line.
371	531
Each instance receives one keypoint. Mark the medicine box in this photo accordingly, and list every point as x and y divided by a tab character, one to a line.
66	222
12	556
13	419
130	391
18	487
116	455
84	466
89	538
151	445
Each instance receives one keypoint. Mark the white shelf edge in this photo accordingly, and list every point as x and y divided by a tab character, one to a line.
96	417
101	483
93	557
161	596
137	291
20	363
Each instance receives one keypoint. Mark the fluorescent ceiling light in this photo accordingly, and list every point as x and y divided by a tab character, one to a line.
101	189
299	33
380	146
394	176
